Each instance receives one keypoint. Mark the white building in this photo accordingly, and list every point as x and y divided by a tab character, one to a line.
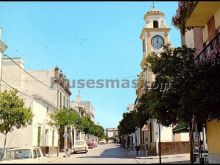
86	107
83	108
38	132
111	132
41	98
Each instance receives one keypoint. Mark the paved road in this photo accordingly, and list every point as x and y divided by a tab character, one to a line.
107	153
114	154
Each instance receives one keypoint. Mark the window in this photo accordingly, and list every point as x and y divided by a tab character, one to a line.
64	101
155	24
143	46
60	99
23	154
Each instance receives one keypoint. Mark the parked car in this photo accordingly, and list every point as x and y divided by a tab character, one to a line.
110	141
95	143
23	155
2	151
102	141
80	146
90	143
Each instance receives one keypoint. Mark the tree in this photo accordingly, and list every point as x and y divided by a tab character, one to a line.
60	119
99	131
193	95
12	113
128	124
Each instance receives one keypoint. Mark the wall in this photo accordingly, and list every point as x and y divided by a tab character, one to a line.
189	39
35	87
184	136
213	132
205	34
170	148
181	137
165	132
217	20
18	138
11	73
41	119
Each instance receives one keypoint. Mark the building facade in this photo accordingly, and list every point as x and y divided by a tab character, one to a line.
38	132
111	132
204	36
83	108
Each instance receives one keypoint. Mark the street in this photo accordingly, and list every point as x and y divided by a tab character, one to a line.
114	154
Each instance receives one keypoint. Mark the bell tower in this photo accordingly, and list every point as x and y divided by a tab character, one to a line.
155	33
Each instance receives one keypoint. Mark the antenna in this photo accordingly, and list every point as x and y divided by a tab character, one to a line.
79	92
153	4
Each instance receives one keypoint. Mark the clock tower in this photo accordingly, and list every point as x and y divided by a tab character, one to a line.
155	33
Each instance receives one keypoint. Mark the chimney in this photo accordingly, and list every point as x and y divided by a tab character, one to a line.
56	72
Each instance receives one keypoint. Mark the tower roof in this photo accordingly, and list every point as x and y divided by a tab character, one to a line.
153	11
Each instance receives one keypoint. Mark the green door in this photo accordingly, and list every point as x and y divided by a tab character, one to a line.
38	136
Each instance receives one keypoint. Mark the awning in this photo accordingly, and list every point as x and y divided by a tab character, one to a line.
181	128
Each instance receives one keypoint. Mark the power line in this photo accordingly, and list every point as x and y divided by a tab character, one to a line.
25	80
16	89
27	72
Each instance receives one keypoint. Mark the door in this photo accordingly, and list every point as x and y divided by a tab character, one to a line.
38	136
53	138
46	138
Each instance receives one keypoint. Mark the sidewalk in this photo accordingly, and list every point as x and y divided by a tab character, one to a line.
177	158
53	157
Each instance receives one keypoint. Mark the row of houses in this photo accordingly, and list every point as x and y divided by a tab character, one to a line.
204	36
43	91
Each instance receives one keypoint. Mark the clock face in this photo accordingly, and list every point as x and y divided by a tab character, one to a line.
157	41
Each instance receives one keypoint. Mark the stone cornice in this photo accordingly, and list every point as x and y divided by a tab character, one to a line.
154	30
3	46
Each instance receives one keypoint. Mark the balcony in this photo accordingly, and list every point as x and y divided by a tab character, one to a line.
209	51
200	13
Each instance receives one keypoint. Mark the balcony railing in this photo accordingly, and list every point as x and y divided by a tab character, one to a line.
205	53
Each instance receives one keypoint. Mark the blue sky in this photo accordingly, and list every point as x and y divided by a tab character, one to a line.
87	40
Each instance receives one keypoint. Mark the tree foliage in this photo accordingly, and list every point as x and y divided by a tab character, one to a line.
68	117
13	113
194	87
128	123
191	90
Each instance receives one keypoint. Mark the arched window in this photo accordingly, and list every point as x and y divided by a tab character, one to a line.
155	24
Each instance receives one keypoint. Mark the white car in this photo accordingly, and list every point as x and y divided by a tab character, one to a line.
23	155
102	141
80	146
